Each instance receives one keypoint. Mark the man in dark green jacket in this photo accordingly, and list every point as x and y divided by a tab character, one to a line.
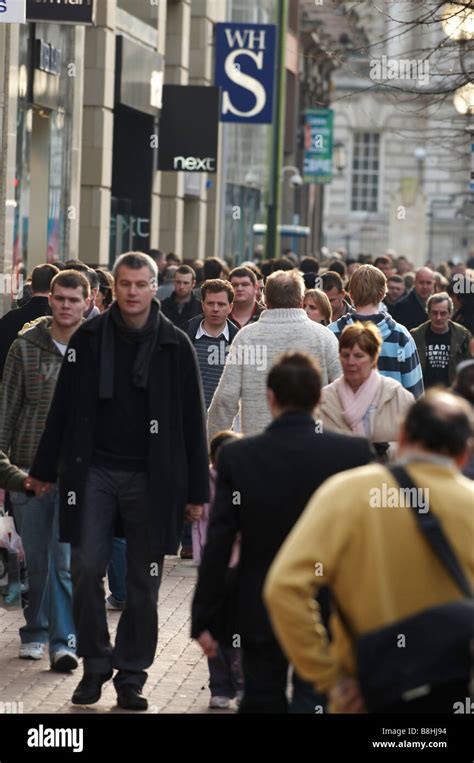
440	342
29	380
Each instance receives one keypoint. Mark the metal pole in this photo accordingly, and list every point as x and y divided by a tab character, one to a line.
274	195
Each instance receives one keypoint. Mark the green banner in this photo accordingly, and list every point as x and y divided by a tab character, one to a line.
318	140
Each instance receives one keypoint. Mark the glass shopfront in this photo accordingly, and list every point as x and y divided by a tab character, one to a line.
43	142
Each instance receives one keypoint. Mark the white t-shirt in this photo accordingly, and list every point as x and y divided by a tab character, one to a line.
61	346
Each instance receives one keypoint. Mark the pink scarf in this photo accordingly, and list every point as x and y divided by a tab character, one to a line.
356	404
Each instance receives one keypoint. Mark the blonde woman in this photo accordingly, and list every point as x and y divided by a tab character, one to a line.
362	401
318	306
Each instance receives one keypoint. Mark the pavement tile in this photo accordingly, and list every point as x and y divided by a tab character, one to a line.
176	678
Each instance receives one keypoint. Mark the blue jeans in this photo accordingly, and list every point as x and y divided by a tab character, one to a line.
48	613
225	672
117	570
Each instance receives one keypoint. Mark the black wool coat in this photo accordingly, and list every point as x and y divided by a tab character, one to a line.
13	321
409	312
263	485
178	468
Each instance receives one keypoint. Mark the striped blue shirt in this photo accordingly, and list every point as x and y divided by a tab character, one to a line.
398	356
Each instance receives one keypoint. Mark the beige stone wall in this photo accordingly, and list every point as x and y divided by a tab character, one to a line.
97	136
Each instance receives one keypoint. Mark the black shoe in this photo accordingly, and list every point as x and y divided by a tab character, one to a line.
89	689
131	698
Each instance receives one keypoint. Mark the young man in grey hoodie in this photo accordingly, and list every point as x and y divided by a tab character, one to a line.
29	379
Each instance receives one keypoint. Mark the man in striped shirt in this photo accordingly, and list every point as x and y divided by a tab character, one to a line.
399	357
212	332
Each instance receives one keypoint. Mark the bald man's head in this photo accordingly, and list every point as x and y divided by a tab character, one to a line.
424	283
440	423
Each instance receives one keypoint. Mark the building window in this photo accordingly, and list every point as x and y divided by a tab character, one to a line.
365	172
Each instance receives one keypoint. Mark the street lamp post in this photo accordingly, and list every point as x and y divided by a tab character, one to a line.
464	104
457	21
339	156
274	195
296	180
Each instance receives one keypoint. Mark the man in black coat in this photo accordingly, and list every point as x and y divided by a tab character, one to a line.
183	304
263	485
126	436
411	310
13	321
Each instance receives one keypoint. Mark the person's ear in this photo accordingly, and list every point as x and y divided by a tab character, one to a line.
271	399
462	459
402	436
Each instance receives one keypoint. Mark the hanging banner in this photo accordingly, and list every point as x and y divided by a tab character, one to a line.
318	140
245	62
12	11
189	126
61	11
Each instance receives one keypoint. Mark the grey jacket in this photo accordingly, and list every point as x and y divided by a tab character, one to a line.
29	379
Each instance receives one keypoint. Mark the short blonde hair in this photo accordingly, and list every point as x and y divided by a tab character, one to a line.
368	286
284	289
321	300
365	335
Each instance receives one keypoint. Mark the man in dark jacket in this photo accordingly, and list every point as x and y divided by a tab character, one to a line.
411	310
263	484
13	321
183	304
212	332
126	435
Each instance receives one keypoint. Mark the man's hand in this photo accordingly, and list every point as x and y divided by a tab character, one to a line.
37	487
346	697
193	511
208	644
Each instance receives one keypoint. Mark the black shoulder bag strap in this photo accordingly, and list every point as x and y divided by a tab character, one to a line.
431	528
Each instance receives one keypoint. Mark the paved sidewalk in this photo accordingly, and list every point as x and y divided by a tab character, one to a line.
177	680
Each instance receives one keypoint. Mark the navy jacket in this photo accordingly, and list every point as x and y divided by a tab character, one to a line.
263	485
409	312
193	325
169	307
13	321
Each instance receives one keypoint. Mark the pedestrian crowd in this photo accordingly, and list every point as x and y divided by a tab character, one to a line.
302	429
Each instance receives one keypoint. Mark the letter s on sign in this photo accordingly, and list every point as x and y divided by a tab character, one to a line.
244	80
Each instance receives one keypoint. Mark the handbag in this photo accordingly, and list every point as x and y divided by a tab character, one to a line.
438	641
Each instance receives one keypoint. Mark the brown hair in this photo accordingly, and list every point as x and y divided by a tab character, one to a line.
186	270
295	380
365	335
216	285
321	300
220	439
71	279
243	272
368	286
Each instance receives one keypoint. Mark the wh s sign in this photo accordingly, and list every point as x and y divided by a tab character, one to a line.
245	60
12	11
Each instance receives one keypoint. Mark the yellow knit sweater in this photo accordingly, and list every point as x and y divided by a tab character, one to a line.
378	564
